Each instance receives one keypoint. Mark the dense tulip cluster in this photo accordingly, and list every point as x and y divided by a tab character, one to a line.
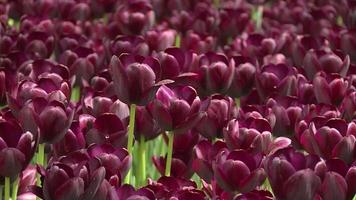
186	100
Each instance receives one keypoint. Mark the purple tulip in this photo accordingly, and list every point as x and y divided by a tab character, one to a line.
82	63
348	106
145	125
238	170
107	128
116	161
129	44
72	141
134	78
204	155
334	174
215	73
128	192
27	178
315	61
329	89
198	43
278	79
161	33
290	174
176	64
243	78
176	110
220	110
256	137
176	188
39	45
17	147
134	17
329	139
63	181
287	112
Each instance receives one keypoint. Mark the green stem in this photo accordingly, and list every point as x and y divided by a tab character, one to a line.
40	161
216	3
15	187
177	41
131	137
259	16
142	162
7	188
75	96
169	153
237	102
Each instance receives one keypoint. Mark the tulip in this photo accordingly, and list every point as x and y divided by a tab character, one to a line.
171	187
27	178
243	77
165	36
176	112
334	174
315	61
238	171
107	128
198	43
39	45
73	140
215	72
255	194
129	44
330	139
116	161
127	192
204	155
134	83
278	79
63	181
329	89
134	17
220	110
290	174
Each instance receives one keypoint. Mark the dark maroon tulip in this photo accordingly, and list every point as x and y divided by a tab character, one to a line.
238	170
215	72
73	140
134	17
305	90
300	46
257	137
176	63
27	178
329	89
41	67
176	110
288	112
175	188
39	45
180	165
278	79
220	110
255	194
204	155
145	125
16	147
116	161
82	63
107	128
128	192
160	38
198	43
333	173
243	78
348	106
134	78
347	43
74	10
63	181
315	61
291	176
129	44
329	139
